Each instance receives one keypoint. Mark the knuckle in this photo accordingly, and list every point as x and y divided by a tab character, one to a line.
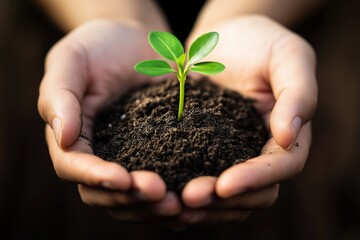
309	50
312	104
87	200
290	44
68	48
42	107
90	175
59	170
87	197
64	167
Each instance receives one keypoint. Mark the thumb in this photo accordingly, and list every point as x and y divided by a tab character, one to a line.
292	76
62	112
61	91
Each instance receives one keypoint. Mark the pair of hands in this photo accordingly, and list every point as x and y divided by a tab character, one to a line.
93	65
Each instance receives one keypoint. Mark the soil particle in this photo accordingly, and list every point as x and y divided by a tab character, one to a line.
141	131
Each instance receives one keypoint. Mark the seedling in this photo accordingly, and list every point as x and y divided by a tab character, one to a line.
169	47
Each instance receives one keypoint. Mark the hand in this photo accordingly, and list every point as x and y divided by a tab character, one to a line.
86	71
274	66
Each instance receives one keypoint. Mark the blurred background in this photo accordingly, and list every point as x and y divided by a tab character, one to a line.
323	202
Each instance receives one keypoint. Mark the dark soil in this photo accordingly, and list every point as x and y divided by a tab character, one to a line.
141	131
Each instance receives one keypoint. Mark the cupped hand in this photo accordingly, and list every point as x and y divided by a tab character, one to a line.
87	70
276	67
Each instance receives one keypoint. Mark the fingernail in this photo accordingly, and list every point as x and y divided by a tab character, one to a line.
57	128
295	126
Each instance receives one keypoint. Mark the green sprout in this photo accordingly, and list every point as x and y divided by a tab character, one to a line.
169	47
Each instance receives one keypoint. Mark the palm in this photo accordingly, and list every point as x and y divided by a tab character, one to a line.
246	53
87	70
93	66
109	52
266	62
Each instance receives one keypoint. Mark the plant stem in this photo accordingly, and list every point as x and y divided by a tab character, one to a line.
181	96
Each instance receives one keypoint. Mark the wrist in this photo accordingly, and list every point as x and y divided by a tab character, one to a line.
68	14
201	27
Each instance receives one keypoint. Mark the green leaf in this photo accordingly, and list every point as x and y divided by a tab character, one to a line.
181	60
202	46
166	44
210	68
153	67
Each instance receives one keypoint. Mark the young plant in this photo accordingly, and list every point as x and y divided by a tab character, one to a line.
169	47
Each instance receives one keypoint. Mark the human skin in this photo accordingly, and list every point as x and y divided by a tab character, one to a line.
85	71
92	66
276	68
267	62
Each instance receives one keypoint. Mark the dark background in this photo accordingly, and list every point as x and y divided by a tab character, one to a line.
323	202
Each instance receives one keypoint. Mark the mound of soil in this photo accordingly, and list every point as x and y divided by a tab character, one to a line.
219	128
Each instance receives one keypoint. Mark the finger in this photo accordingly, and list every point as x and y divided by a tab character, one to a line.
274	165
126	202
78	164
158	212
169	206
96	197
190	217
199	191
148	186
251	200
293	81
61	92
